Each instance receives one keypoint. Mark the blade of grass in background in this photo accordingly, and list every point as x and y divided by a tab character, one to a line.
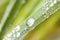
7	12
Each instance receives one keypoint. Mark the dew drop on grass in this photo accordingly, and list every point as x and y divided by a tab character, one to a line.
8	38
9	35
55	1
17	28
18	34
52	4
30	22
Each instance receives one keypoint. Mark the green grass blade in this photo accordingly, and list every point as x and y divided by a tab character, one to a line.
7	12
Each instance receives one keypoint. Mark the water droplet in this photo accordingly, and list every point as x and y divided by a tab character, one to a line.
45	15
18	34
13	31
47	8
14	35
51	4
7	38
26	29
30	22
9	35
17	28
55	1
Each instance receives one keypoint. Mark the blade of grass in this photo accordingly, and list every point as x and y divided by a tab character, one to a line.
7	12
3	5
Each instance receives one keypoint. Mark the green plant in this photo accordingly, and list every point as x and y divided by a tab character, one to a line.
28	19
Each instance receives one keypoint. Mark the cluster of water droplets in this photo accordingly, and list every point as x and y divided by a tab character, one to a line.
46	8
14	34
23	1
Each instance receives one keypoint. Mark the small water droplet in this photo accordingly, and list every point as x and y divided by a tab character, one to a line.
17	28
25	30
13	31
45	15
7	38
18	34
30	22
9	35
51	4
14	35
47	8
55	1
